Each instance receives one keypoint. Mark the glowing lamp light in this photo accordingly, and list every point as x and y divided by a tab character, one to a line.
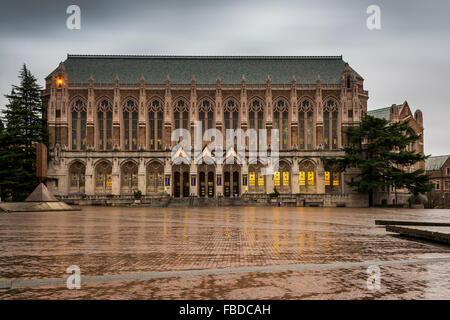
59	82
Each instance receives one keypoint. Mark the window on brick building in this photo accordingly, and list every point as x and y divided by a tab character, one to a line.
447	185
448	171
437	185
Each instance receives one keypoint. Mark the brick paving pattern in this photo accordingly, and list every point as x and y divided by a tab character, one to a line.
143	242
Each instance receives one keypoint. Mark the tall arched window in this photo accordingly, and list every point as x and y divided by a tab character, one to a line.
79	125
104	125
305	125
281	122
231	115
256	115
330	125
206	115
155	125
181	115
231	118
130	124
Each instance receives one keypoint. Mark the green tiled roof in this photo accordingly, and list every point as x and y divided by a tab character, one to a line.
383	113
206	69
435	163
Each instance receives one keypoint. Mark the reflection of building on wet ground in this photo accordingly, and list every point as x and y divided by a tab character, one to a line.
219	253
110	121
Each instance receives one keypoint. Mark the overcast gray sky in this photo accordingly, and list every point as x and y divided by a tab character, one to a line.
408	59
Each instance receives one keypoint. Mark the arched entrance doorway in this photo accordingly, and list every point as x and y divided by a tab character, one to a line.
155	178
103	177
77	174
256	180
181	182
129	177
206	177
231	185
282	178
307	177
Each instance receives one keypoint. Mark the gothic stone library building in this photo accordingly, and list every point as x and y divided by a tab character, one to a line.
111	118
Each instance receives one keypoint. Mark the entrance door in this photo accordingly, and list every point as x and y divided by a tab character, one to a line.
227	190
210	184
202	184
185	184
176	184
235	183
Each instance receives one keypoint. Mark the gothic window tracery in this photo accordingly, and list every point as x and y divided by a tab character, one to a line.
104	125
181	114
305	125
79	125
155	125
281	122
330	125
130	124
206	115
256	116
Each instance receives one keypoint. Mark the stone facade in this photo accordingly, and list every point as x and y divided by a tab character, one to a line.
439	170
110	121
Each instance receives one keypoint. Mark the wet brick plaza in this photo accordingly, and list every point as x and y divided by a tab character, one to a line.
219	253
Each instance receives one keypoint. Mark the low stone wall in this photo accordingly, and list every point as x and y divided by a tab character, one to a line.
294	200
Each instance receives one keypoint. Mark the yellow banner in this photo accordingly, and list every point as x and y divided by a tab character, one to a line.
260	180
109	180
276	179
301	178
310	178
251	179
335	178
327	178
286	178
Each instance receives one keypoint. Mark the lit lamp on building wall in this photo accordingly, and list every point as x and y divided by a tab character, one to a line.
59	82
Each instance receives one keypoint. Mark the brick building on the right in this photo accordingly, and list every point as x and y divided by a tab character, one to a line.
396	113
438	168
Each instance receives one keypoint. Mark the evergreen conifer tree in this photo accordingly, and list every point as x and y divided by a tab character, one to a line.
379	149
24	127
